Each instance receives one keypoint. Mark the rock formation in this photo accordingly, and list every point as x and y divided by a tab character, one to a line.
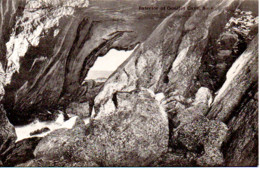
7	133
187	95
135	134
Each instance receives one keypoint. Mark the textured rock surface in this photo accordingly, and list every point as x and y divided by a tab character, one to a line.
62	147
241	76
211	50
83	105
175	71
82	110
195	131
7	133
135	134
170	59
241	147
60	44
21	152
9	11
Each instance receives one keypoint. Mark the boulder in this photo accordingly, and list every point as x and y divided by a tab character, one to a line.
61	148
39	131
199	134
21	152
135	134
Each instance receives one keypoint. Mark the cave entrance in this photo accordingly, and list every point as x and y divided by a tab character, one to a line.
106	65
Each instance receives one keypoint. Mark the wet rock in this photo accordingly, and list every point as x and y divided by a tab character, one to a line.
62	147
60	142
21	152
40	131
7	133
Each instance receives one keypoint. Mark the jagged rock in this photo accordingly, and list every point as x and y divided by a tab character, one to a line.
135	134
196	131
7	133
9	11
21	152
83	105
240	77
61	43
241	147
170	59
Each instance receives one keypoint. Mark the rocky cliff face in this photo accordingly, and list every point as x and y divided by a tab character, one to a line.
60	43
187	96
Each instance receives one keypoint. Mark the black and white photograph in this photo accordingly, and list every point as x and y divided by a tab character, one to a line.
129	83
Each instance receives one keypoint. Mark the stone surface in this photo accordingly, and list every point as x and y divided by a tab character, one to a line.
135	134
197	133
83	105
170	59
240	77
7	133
82	110
241	146
176	159
48	47
61	42
10	9
21	152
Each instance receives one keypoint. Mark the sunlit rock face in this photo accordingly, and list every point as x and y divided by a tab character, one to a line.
39	17
9	11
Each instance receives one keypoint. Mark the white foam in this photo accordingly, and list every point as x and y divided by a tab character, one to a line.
23	132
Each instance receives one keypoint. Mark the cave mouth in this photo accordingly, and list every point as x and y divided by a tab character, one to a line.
107	64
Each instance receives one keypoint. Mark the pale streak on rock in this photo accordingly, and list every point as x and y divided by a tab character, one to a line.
240	77
34	28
